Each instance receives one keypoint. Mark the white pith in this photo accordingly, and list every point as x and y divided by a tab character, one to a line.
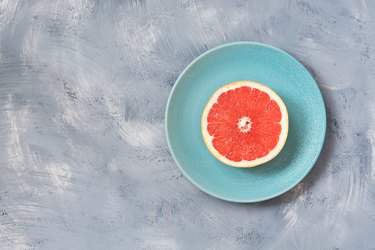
244	124
284	125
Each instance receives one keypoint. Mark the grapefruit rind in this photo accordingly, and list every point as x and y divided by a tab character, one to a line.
207	138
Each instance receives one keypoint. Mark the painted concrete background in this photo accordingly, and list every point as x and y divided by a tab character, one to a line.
83	157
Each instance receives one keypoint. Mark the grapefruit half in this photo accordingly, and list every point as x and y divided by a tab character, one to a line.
245	124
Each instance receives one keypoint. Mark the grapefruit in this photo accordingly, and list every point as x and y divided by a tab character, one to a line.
245	124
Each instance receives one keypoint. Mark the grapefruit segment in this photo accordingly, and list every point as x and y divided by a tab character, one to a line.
245	124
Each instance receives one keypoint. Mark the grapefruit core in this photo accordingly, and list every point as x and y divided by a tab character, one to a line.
245	124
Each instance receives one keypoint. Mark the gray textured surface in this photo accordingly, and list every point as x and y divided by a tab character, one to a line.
83	157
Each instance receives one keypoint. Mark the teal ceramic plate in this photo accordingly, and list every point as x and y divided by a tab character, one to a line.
245	61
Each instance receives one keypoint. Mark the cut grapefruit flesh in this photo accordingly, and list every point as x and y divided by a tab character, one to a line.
245	124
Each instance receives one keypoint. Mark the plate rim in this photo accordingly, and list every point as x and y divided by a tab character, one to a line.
190	65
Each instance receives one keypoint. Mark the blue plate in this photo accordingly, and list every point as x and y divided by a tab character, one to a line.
245	61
